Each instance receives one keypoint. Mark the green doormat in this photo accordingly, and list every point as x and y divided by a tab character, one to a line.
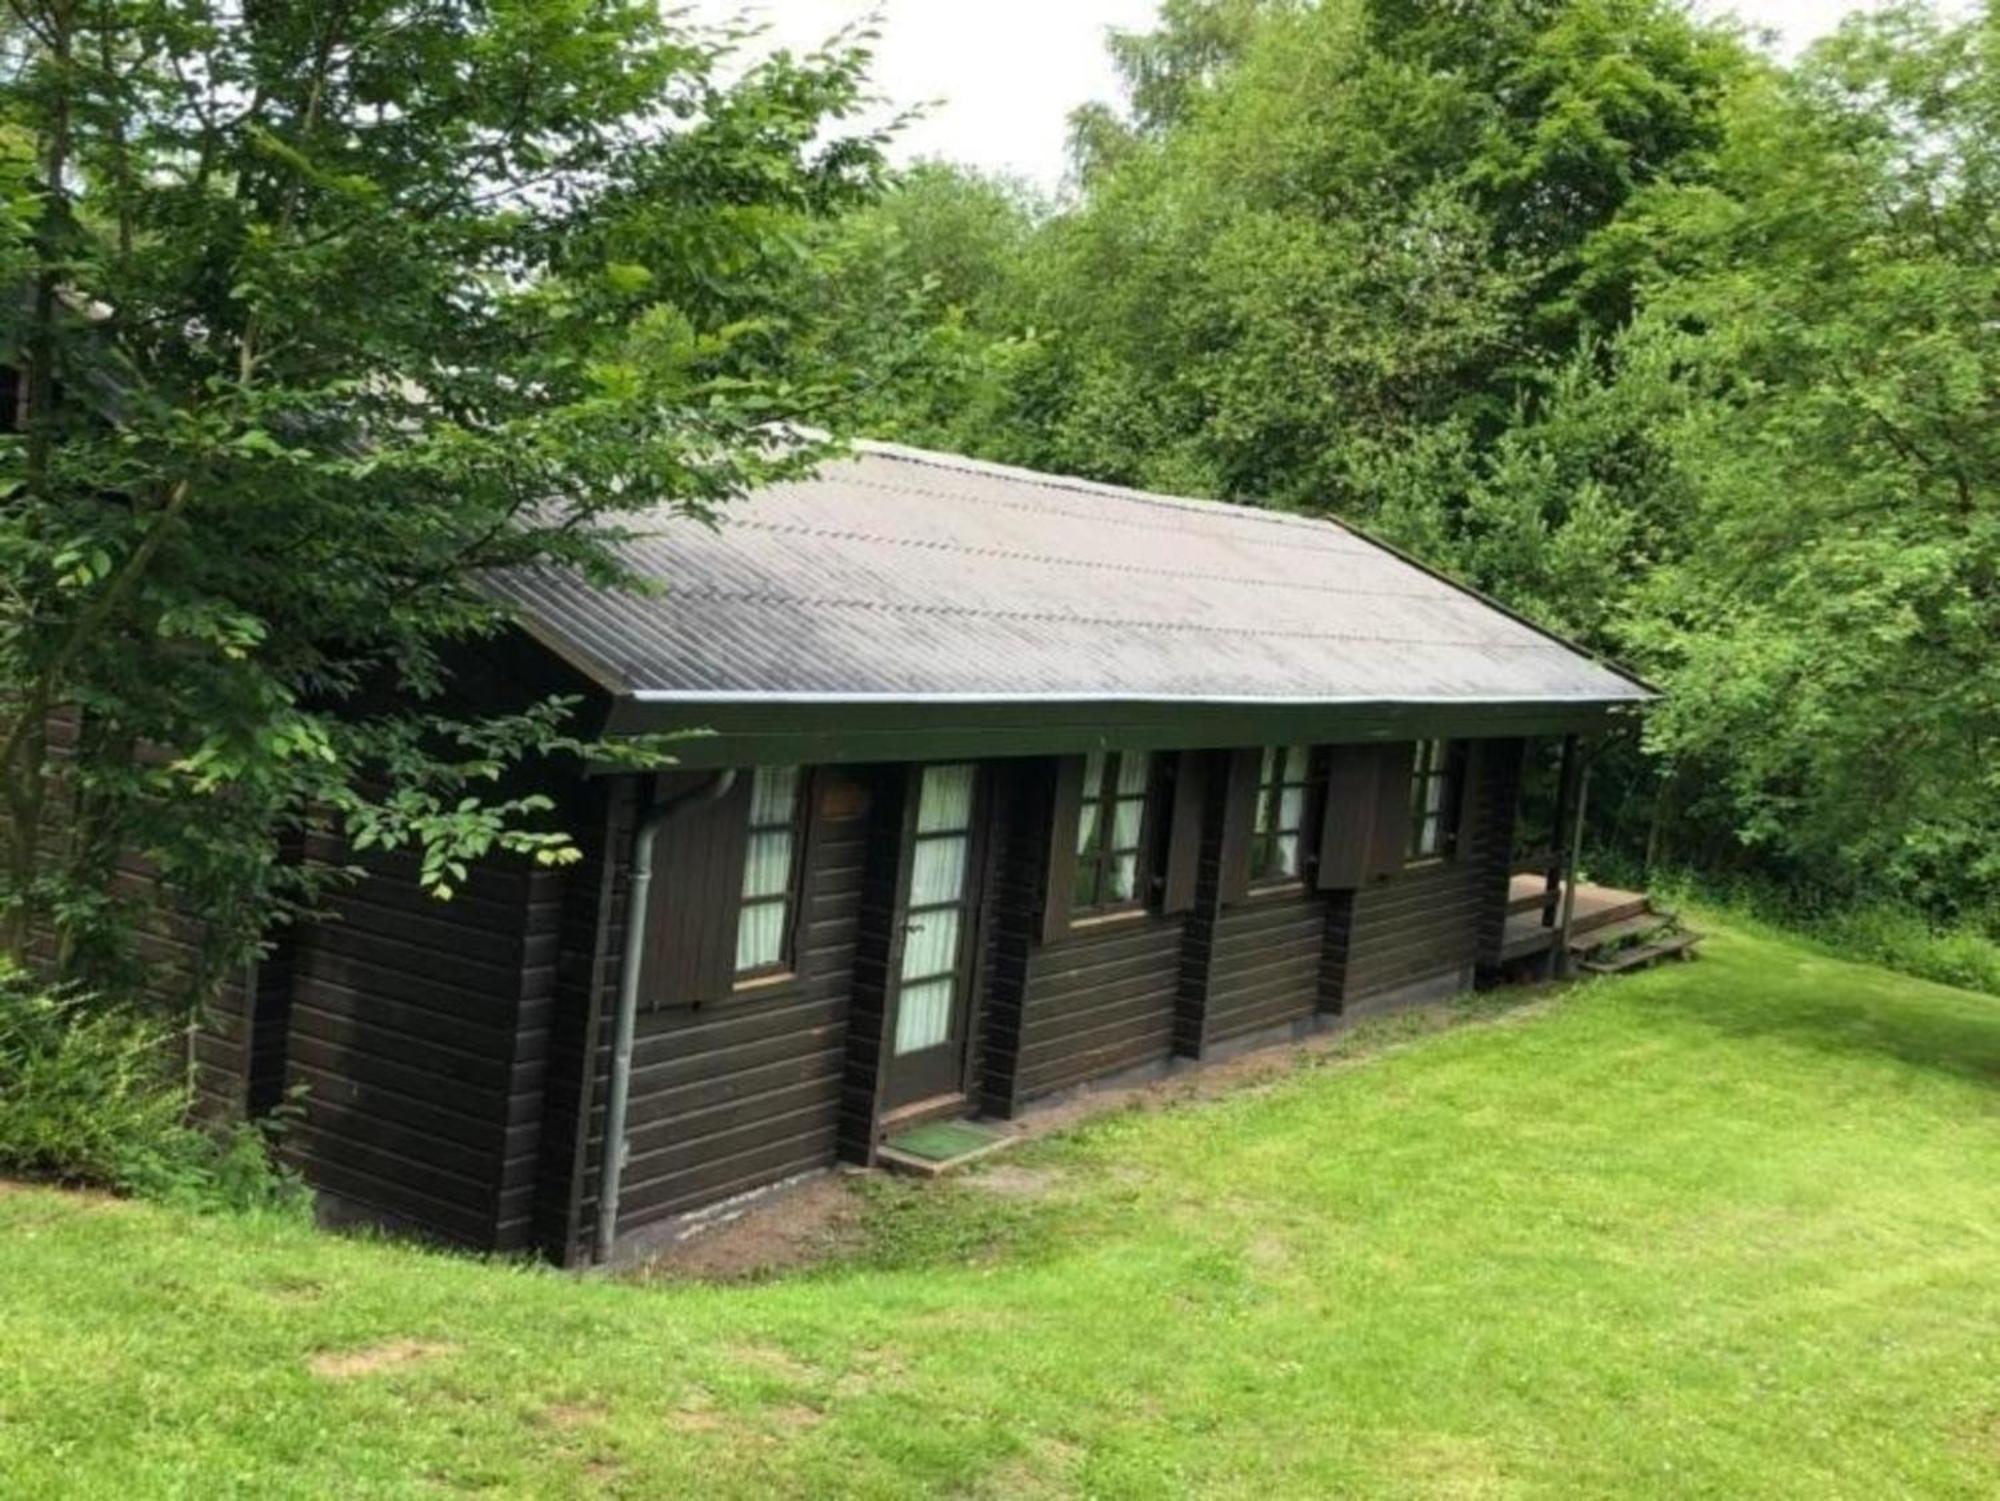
940	1141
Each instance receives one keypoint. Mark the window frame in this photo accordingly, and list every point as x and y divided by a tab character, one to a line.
1436	763
790	895
1091	869
1277	775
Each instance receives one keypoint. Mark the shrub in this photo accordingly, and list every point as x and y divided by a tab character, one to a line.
1965	954
88	1095
1902	940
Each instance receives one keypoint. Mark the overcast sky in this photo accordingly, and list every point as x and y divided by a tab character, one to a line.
1004	74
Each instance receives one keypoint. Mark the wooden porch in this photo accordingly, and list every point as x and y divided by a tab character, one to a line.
1557	924
1610	930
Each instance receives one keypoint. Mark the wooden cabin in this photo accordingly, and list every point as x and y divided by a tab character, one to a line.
1006	785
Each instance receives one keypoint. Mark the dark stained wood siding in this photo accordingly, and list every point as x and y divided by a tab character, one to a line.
1428	919
876	948
1101	1000
1011	924
735	1094
414	1028
1266	966
1197	959
588	934
1057	1013
1496	794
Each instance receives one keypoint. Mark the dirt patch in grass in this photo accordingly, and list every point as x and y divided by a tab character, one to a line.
568	1417
794	1417
772	1362
371	1360
1047	1468
801	1226
700	1420
1014	1182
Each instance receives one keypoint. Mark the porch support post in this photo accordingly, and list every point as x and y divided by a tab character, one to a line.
1574	855
1559	830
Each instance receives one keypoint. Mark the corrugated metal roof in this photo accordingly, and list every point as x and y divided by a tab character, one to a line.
896	574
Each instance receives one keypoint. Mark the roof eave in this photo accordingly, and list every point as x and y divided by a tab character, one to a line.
815	729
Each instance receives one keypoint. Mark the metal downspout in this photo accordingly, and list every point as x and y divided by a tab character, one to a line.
625	1023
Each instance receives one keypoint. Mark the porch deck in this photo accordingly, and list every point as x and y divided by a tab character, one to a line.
1596	907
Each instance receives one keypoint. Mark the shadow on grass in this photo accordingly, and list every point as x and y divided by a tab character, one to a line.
1844	1010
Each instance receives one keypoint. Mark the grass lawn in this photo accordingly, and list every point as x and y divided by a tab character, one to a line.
1730	1228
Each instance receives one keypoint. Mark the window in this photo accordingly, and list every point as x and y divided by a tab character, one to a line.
1433	800
1281	814
1111	831
769	862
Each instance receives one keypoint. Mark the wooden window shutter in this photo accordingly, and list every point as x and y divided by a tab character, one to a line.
1239	811
696	897
1389	841
1060	885
1347	822
1182	866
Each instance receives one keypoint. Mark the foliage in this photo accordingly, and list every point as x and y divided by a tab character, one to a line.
1684	353
88	1095
1820	335
1723	1229
330	309
1882	932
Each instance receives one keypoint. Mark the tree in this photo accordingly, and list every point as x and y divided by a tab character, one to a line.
1349	257
1818	342
328	307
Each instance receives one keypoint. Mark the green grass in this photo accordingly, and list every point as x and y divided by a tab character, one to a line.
1726	1229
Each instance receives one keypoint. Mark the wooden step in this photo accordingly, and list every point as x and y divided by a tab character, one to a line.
1584	940
1646	954
1603	917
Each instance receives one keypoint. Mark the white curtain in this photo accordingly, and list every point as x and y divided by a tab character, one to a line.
930	947
923	1016
760	936
1291	807
946	801
1086	827
767	864
1126	822
937	874
1124	877
1134	771
773	792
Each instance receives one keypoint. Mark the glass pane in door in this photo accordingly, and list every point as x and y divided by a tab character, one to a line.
930	944
933	933
923	1016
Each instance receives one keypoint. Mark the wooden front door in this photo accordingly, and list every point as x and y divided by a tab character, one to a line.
928	1021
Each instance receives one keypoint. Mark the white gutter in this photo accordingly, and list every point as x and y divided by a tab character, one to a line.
732	696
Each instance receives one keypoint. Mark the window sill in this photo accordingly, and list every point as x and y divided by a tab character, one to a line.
1085	921
1290	886
757	984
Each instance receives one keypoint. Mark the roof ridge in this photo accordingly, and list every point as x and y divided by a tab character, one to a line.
964	464
1056	560
983	612
1362	548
